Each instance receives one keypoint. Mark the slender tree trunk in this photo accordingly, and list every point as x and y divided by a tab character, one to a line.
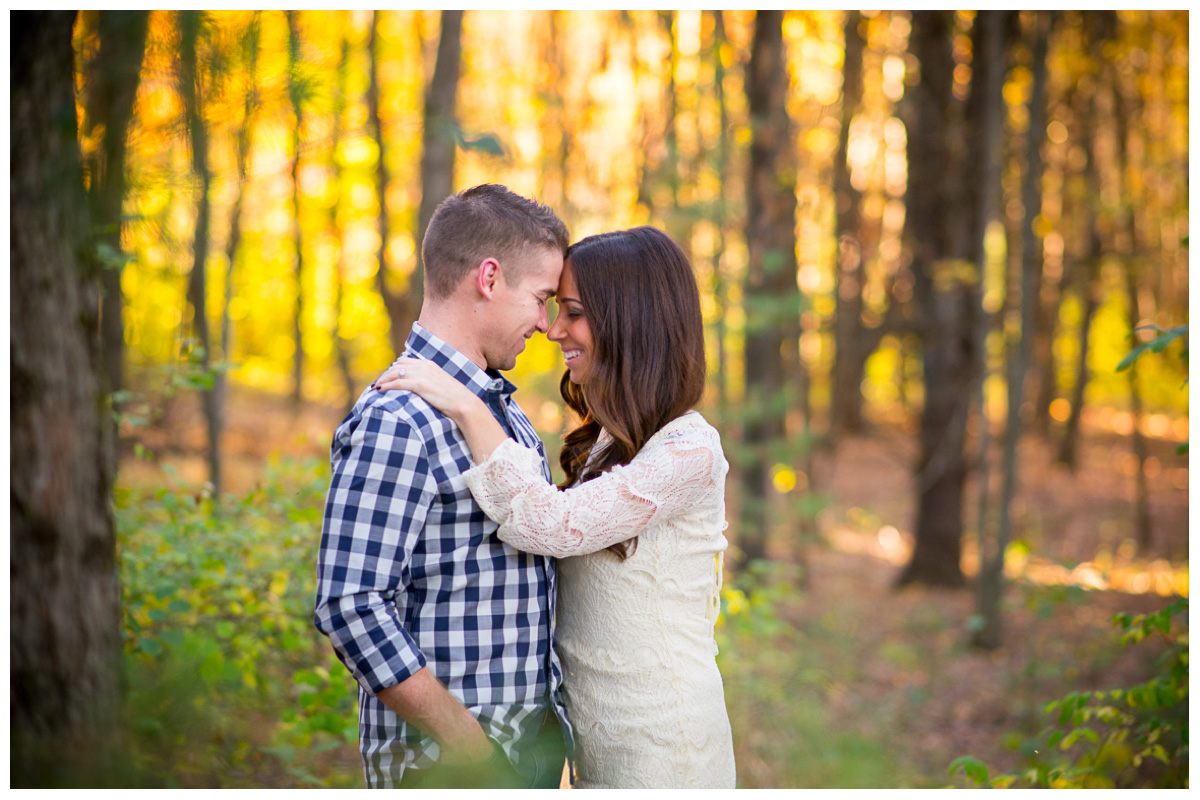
394	304
439	141
295	93
987	105
439	144
220	379
555	133
987	92
666	20
112	88
1088	270
1132	253
190	88
64	616
339	277
1020	352
770	293
720	290
846	403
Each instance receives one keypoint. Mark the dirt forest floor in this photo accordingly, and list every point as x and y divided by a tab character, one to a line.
893	667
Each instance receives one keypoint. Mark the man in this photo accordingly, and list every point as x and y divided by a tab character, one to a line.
448	630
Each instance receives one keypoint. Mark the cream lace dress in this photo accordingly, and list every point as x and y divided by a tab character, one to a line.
636	637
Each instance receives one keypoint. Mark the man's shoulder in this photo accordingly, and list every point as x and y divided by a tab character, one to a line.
399	410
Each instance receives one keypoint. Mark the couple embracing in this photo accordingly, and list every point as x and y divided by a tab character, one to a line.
499	626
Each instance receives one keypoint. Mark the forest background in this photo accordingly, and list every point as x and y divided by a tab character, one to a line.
943	259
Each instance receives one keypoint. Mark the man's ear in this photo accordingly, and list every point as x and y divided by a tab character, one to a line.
487	276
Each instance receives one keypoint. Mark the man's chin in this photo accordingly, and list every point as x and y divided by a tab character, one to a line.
504	365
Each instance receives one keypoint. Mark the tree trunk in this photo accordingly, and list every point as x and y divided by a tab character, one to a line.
295	93
197	293
394	304
1088	276
1131	252
1019	352
112	87
339	344
846	403
439	144
220	379
553	126
987	106
720	290
938	221
771	295
65	616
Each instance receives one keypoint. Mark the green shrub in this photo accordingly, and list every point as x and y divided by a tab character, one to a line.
228	682
1134	737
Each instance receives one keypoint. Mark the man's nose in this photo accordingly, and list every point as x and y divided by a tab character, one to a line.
544	320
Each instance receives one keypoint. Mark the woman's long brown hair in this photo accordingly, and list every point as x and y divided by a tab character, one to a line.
641	302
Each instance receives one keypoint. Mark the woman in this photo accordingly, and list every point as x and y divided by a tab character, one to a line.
638	524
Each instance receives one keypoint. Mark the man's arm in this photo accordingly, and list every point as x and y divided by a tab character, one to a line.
422	701
379	496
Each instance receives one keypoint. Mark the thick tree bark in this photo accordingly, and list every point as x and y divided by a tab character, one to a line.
849	360
197	292
65	623
771	294
295	93
112	87
938	221
1020	352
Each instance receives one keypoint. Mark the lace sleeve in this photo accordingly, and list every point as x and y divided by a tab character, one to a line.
535	516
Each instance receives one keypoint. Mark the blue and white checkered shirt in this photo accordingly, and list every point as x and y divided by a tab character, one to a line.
410	574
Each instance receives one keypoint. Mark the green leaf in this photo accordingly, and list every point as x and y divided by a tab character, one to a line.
151	646
1132	356
975	769
307	677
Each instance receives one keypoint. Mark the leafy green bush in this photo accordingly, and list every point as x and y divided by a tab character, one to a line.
1135	737
229	683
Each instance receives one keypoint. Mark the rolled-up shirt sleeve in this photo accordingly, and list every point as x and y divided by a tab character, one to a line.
379	496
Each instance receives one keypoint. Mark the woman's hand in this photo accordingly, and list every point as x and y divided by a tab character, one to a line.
432	383
474	419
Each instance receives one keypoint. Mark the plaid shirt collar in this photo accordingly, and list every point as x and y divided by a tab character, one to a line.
422	343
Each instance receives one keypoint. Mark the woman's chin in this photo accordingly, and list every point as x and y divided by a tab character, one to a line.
573	375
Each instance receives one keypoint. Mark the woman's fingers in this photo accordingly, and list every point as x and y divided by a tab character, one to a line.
393	379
